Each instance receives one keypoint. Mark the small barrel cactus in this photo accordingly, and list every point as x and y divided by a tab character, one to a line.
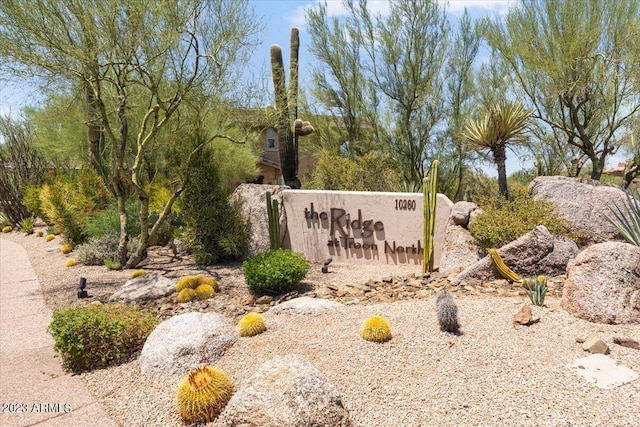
252	324
50	237
191	282
203	394
447	311
66	248
70	262
211	282
7	229
138	273
39	233
376	329
204	292
186	295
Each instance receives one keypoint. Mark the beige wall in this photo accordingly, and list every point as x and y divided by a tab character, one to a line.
362	227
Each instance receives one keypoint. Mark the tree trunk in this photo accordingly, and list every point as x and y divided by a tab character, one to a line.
124	233
500	158
597	167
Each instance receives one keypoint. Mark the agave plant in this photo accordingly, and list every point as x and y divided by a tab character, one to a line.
627	218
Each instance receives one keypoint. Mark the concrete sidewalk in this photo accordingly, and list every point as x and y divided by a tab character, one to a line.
34	389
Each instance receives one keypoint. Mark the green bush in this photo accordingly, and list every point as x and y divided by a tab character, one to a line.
5	220
96	336
214	229
107	221
503	221
275	272
26	225
97	250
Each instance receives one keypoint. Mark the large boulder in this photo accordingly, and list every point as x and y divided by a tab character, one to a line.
535	253
582	202
144	288
460	249
603	284
185	342
286	391
461	213
253	204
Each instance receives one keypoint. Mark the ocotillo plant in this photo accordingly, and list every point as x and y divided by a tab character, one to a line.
288	124
429	195
273	216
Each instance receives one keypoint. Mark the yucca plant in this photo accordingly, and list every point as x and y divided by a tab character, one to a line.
627	218
5	220
536	288
26	225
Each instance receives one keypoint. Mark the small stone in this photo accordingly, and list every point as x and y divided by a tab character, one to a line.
96	303
627	342
371	282
523	317
579	340
594	344
265	299
332	287
388	279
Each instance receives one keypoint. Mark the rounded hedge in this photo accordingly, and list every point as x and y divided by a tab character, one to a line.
275	272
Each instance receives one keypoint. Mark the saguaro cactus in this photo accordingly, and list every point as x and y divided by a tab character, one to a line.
288	125
273	215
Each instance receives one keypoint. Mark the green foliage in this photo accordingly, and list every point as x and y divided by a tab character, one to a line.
5	220
203	394
107	221
69	201
370	172
97	250
31	199
275	272
627	218
503	221
214	228
96	336
26	225
536	288
112	265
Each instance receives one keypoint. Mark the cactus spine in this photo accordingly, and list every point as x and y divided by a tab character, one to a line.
429	199
447	311
203	394
536	288
273	215
251	324
502	268
288	124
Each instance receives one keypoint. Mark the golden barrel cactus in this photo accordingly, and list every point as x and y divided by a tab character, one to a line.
203	394
186	295
204	292
252	324
376	329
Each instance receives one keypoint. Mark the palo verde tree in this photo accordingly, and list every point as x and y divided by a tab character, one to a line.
387	70
135	62
577	64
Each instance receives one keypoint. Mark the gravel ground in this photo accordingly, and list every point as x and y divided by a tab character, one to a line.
494	373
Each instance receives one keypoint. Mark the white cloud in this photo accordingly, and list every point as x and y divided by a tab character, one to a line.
458	6
336	8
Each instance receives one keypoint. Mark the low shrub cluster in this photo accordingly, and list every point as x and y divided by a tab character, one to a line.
98	250
96	336
503	221
275	272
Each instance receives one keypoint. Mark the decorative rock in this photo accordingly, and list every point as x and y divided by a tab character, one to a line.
523	317
265	299
286	391
582	201
185	342
535	253
602	371
603	284
253	203
144	288
461	212
627	342
594	344
459	250
305	305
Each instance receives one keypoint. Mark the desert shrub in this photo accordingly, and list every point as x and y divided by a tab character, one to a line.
112	265
5	220
275	272
97	250
107	221
96	336
26	225
31	199
214	229
503	221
